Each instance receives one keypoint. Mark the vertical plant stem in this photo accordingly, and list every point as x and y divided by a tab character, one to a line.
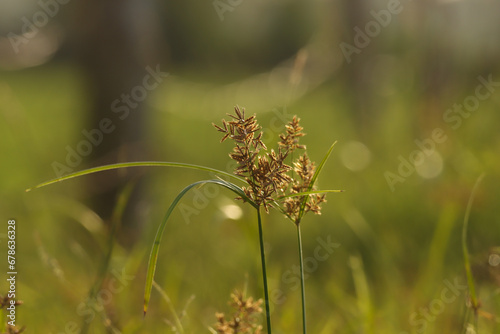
470	278
302	284
264	273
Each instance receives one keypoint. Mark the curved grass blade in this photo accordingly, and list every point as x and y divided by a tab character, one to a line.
315	176
153	257
470	278
304	193
321	165
134	164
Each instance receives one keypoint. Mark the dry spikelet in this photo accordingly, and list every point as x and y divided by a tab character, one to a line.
305	169
267	175
264	174
243	319
290	140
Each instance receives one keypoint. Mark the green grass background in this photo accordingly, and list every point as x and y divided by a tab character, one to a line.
396	248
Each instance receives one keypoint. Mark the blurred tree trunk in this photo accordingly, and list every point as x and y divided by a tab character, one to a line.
436	65
115	40
359	89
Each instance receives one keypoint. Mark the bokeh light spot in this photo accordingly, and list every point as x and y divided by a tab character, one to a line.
355	156
431	167
232	211
494	260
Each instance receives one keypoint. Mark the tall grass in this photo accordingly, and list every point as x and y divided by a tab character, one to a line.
267	184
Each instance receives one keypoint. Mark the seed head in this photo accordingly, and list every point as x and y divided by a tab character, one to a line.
243	320
268	176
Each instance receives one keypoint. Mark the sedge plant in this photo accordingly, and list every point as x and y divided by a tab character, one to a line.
270	180
242	319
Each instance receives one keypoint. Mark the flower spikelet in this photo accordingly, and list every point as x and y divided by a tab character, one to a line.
290	139
304	169
268	176
243	320
265	174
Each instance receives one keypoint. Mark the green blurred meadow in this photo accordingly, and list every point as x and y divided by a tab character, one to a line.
397	264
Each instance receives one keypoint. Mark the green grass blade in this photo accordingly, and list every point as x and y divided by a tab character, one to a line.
153	258
134	164
465	250
310	193
364	299
438	247
321	165
233	187
313	180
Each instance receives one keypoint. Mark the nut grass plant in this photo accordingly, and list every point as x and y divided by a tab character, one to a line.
269	182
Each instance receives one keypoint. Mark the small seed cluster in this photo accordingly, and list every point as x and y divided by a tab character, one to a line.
243	320
268	176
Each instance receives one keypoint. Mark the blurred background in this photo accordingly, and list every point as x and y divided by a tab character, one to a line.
409	89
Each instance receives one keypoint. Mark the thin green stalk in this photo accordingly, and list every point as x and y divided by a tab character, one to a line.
302	283
313	180
178	324
264	273
302	211
470	278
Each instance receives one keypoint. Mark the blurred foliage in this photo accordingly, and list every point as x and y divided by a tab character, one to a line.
398	249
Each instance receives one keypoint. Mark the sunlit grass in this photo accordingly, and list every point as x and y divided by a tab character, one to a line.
401	237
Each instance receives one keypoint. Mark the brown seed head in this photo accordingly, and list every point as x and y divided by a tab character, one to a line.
243	319
268	175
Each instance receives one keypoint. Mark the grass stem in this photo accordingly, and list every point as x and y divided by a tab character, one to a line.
264	272
470	278
302	283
